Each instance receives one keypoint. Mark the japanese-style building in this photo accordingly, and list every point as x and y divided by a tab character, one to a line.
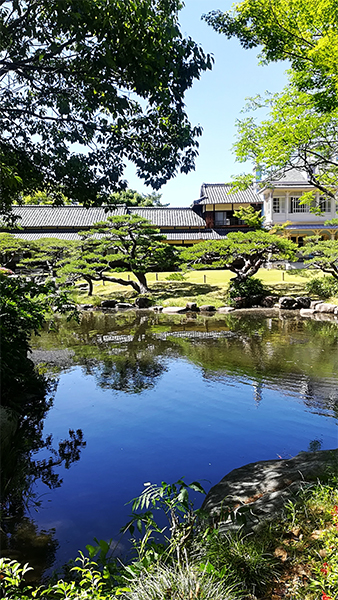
210	217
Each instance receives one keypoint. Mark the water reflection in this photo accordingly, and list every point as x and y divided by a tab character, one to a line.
127	352
22	438
159	397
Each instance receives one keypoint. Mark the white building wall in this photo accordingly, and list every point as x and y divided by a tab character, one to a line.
294	217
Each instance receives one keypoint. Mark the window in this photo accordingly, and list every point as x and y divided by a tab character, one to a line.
296	207
325	204
278	205
221	217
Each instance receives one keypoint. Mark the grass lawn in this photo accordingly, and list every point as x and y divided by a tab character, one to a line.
203	287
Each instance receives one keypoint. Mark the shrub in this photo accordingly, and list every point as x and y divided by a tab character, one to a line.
324	287
12	579
175	277
250	288
177	583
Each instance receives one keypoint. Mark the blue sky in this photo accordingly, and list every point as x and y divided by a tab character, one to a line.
215	102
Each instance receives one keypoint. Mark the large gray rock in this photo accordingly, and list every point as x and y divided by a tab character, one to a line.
85	306
225	309
123	305
325	307
287	303
260	490
143	302
303	301
207	308
315	303
174	309
192	306
269	301
108	303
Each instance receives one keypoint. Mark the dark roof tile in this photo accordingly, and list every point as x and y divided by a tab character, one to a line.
62	216
220	193
169	217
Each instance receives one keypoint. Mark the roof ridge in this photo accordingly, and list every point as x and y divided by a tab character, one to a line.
53	206
159	207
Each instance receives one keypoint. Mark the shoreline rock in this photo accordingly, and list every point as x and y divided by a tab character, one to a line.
260	490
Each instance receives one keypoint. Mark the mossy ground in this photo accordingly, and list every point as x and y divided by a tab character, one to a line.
203	287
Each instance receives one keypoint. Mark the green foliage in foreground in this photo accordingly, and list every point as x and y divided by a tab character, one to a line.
295	557
23	306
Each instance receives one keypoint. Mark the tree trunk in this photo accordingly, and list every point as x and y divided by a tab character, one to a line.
143	282
140	287
120	281
90	284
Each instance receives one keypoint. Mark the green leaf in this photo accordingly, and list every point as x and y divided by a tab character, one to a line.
197	487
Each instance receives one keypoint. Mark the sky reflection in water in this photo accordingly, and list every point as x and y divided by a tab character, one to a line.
193	405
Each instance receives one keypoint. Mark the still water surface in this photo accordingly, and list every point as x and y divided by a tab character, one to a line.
161	397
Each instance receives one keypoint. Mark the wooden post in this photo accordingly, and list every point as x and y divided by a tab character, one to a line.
204	278
156	276
283	275
128	277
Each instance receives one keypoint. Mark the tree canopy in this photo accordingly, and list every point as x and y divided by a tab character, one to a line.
42	197
121	243
133	198
88	84
293	136
303	32
250	216
242	253
138	247
46	253
323	255
300	131
128	197
10	248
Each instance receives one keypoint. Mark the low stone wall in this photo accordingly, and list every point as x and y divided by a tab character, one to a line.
307	307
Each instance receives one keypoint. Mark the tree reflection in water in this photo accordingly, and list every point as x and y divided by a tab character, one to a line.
22	420
128	352
125	358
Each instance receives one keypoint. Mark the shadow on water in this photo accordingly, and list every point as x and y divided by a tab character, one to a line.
22	418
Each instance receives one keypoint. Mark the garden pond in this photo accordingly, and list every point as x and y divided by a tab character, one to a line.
154	397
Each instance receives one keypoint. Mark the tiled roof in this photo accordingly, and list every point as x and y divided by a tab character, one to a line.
62	216
220	193
80	217
72	235
293	178
169	217
31	236
191	236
